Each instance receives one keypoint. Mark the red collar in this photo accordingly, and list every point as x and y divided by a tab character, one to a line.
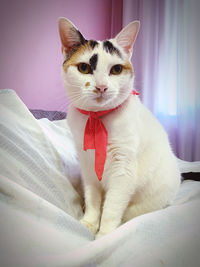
96	136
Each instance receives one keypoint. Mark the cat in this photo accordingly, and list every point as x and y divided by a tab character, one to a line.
138	172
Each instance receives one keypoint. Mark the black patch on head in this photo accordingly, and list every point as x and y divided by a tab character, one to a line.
110	48
93	43
93	61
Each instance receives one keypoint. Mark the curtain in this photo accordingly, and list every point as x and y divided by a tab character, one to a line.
166	60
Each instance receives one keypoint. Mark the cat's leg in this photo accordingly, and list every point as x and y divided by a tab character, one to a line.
116	201
92	192
93	198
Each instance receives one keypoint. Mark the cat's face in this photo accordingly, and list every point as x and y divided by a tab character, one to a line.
97	74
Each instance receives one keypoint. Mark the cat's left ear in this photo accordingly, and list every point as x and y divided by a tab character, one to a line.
127	36
70	36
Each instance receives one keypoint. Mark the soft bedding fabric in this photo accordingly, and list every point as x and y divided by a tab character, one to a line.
40	209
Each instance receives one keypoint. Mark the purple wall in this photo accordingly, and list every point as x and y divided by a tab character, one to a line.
30	52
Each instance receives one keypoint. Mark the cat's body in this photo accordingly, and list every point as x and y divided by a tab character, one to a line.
140	173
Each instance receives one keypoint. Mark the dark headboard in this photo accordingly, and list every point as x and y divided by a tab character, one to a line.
50	115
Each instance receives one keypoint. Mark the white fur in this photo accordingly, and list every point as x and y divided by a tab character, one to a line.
141	173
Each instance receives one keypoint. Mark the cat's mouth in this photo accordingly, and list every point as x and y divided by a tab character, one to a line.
99	99
103	99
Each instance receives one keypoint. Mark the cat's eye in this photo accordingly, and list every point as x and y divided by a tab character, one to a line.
116	69
84	68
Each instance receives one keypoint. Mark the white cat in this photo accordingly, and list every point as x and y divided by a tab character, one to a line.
140	174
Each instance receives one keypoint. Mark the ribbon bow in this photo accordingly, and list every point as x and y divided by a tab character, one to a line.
96	137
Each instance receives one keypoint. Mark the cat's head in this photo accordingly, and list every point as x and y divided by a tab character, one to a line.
97	74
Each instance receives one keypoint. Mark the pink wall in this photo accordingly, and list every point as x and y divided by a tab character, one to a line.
30	54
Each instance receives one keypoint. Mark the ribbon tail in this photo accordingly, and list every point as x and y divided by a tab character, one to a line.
100	160
101	140
89	139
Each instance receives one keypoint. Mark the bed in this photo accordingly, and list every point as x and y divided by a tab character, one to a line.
41	203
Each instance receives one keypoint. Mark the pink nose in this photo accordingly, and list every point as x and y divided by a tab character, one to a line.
101	88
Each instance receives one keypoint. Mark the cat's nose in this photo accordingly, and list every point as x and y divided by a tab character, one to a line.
101	88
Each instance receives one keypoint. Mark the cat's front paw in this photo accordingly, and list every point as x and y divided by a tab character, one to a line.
91	226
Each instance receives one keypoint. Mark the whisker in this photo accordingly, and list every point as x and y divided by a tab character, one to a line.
74	96
73	84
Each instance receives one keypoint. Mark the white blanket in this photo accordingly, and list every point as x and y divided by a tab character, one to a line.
40	209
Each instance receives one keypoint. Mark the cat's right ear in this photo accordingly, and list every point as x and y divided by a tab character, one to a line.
70	36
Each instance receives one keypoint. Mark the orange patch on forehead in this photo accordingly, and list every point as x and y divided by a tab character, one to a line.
128	67
74	59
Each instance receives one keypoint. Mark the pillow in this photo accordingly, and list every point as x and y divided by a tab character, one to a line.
38	155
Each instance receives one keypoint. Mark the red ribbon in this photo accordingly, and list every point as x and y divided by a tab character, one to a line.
96	137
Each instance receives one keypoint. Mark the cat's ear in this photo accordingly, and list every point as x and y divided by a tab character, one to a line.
127	36
70	36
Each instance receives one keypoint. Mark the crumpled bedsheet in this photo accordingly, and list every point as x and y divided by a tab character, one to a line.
41	204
